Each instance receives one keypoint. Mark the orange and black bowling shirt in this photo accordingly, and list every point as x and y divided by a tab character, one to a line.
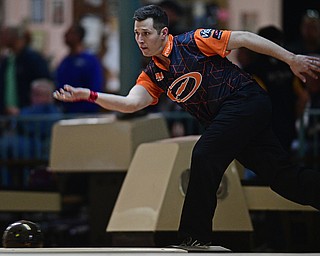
198	77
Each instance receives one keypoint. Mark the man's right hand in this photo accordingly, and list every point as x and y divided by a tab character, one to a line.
71	94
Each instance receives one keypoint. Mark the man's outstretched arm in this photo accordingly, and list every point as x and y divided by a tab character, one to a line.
301	65
138	98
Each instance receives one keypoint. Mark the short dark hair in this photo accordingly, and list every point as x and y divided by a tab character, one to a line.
172	5
159	16
80	30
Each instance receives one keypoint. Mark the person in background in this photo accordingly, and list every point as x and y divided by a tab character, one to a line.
79	67
39	132
289	99
288	95
309	39
309	44
27	135
41	100
21	66
3	57
245	58
2	46
175	14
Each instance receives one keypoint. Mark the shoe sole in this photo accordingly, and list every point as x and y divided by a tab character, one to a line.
201	248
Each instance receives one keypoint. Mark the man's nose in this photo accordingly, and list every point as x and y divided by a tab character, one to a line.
140	39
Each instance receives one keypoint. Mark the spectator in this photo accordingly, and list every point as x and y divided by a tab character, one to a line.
29	138
79	67
19	69
309	43
41	103
3	53
175	13
245	57
2	46
289	99
288	96
309	40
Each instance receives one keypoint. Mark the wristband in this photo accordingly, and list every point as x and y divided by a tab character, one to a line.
93	96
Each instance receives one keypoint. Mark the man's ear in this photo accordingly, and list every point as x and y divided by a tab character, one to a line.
164	32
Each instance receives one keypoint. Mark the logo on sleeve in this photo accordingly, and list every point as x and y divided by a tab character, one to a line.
217	34
205	33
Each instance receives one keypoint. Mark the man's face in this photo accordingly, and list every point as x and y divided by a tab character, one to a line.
149	41
71	37
310	29
8	39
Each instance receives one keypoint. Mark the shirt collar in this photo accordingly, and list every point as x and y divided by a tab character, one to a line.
165	52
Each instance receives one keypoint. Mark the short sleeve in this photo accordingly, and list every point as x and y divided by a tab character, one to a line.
145	81
212	41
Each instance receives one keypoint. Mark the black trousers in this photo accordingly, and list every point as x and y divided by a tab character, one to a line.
241	130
